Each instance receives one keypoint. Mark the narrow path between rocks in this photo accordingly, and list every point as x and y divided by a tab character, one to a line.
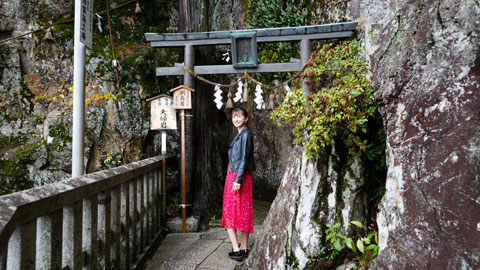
204	250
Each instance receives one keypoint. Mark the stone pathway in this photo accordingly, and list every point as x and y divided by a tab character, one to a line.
199	251
203	250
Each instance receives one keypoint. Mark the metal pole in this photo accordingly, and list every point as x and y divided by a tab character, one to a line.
305	51
78	97
189	56
189	81
184	203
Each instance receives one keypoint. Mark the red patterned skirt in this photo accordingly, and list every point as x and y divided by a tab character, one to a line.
237	211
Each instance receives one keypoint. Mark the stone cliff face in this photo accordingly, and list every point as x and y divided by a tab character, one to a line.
425	68
32	68
35	89
311	194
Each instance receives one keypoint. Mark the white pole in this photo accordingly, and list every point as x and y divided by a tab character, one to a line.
164	142
78	97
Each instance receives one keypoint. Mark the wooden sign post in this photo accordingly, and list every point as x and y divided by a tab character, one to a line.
182	99
163	117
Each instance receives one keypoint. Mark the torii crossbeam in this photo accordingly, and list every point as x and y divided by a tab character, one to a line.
301	33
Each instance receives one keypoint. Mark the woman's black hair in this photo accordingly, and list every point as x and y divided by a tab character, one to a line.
240	109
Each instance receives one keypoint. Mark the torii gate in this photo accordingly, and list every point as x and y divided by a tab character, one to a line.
244	59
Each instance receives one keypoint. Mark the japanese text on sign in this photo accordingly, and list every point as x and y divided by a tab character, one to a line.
182	99
163	114
86	22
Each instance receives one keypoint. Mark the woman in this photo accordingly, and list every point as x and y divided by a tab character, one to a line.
237	195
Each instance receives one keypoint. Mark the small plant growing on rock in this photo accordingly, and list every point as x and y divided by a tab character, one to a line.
364	248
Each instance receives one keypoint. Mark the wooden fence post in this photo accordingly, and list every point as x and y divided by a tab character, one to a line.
72	236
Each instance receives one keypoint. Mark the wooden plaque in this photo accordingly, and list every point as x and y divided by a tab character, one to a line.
163	114
244	50
182	97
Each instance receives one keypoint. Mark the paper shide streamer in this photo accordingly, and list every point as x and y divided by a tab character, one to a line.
218	97
238	94
259	97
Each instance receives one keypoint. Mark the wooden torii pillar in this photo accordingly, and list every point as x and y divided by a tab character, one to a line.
243	46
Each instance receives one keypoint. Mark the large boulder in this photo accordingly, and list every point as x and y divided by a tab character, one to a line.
290	234
311	194
426	70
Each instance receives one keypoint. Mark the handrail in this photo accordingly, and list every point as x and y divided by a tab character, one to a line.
21	208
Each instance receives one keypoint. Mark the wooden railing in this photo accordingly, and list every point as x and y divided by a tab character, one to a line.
103	220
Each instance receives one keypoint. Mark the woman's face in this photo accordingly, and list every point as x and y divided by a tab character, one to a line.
239	120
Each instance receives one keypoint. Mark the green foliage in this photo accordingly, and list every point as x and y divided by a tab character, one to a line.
14	177
8	142
363	248
276	13
25	154
173	208
340	104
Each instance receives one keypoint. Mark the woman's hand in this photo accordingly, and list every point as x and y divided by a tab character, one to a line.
236	187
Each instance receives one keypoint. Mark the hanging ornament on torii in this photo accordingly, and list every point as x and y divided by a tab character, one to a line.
241	95
259	98
238	94
218	97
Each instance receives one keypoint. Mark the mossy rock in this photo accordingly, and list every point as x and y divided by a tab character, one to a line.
14	172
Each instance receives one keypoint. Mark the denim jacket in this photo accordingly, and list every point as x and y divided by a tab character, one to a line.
240	154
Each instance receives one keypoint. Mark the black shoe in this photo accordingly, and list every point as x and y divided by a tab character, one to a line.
244	252
236	255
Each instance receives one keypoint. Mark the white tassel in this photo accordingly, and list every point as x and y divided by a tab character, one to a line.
271	104
245	92
229	104
218	97
238	94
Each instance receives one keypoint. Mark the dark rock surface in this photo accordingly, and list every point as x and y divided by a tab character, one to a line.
425	63
426	69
